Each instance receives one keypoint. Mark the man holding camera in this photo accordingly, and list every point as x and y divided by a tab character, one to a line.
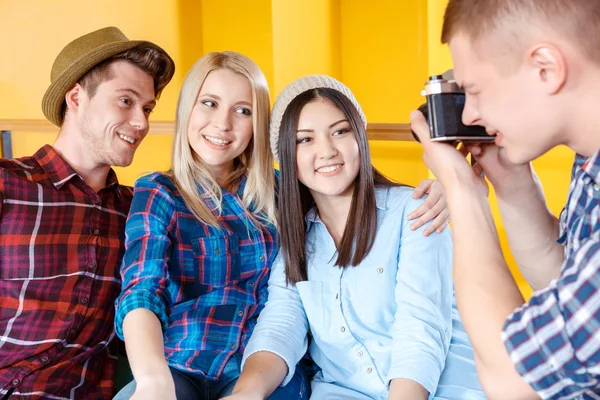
531	74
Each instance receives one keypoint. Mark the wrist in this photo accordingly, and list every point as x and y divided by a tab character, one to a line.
158	378
522	181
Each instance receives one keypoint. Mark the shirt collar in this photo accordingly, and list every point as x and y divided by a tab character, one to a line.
60	172
57	169
592	167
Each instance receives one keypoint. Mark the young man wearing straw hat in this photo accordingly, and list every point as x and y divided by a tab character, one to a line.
62	220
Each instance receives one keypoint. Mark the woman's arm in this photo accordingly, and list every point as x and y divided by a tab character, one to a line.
278	342
144	303
424	295
406	389
146	353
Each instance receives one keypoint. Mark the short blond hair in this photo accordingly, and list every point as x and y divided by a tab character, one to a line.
256	162
578	21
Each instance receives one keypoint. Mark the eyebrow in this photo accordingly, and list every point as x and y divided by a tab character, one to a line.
214	96
134	93
330	126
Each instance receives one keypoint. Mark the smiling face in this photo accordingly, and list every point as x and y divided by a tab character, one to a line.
327	153
220	127
514	96
114	121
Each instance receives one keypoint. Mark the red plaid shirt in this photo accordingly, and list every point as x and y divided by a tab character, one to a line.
61	245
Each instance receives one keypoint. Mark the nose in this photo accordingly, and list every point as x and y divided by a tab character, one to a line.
327	148
470	115
222	120
139	120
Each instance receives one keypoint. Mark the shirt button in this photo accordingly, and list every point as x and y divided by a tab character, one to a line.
96	232
45	359
596	187
380	270
360	353
262	258
92	265
369	370
240	313
232	346
15	382
84	300
217	251
251	284
98	201
342	329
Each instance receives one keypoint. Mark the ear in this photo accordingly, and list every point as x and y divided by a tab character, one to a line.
550	66
73	98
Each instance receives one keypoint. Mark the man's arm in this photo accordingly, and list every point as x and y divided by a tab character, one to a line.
531	228
486	292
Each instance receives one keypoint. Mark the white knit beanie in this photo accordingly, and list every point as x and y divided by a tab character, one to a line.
295	89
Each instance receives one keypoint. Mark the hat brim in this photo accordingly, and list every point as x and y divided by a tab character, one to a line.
55	94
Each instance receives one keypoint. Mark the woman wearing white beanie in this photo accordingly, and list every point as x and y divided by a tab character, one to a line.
376	296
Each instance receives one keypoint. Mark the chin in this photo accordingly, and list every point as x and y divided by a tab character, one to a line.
520	156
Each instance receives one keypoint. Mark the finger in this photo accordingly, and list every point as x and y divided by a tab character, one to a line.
475	149
444	226
463	150
438	224
419	126
478	169
428	216
427	205
422	188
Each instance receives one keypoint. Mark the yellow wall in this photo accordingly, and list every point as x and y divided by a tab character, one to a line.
383	51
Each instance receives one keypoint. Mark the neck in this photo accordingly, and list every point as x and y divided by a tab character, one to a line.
221	173
583	130
333	211
71	148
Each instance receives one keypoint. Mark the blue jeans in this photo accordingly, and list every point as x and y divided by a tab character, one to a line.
197	387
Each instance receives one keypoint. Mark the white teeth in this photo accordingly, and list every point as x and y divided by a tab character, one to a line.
330	168
217	141
127	138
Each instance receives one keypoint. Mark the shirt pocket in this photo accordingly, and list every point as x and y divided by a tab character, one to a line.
216	260
311	294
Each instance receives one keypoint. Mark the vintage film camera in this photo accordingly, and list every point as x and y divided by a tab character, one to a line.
443	111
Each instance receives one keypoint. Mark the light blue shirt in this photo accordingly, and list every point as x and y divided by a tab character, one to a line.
390	317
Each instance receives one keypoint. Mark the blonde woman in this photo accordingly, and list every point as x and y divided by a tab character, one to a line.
200	240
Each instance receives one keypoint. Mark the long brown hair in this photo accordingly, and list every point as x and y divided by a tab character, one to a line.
295	199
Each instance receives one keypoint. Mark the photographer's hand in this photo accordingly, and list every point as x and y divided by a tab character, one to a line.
447	163
505	177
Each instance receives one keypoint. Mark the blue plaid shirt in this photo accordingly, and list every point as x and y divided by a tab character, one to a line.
554	339
206	285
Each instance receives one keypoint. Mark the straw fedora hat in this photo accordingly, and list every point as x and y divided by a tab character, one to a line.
80	56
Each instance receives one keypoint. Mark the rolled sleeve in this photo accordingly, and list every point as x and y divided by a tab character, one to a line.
554	339
282	325
424	293
144	270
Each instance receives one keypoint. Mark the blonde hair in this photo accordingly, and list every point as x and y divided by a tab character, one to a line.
256	162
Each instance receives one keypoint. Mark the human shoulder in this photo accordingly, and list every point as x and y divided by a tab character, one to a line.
396	198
